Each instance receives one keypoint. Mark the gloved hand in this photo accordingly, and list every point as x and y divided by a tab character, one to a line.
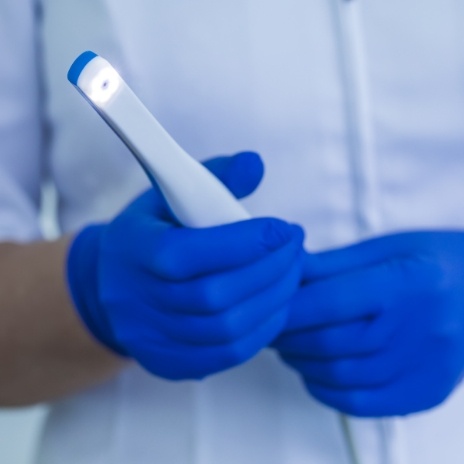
186	303
378	327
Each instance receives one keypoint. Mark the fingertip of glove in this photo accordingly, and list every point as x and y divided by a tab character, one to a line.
298	232
277	233
251	158
247	170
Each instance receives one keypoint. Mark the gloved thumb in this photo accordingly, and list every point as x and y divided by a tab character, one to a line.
240	173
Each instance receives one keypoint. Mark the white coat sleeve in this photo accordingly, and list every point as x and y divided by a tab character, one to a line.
21	133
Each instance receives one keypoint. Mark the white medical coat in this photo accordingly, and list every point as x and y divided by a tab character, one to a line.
357	108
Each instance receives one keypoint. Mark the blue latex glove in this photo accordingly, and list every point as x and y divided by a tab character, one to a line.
378	328
186	303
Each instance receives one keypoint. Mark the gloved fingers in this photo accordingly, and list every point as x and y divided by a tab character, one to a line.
180	254
175	361
374	402
232	324
409	393
340	299
150	204
404	351
381	368
363	254
428	371
219	292
240	173
360	337
363	293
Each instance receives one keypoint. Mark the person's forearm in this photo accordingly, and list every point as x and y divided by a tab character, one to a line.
45	351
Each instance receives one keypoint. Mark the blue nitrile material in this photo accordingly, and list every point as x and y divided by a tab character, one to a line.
186	303
79	64
89	239
378	328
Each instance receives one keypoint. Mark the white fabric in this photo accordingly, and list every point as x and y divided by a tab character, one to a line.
20	123
358	110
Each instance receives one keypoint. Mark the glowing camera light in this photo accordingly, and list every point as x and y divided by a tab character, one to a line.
95	78
104	85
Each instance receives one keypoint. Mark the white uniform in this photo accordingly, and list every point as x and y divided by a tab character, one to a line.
357	108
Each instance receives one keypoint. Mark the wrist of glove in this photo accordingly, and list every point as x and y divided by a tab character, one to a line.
83	274
186	303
